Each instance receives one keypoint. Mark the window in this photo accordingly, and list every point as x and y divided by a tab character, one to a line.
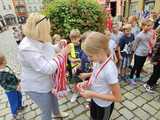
4	7
30	9
35	8
9	6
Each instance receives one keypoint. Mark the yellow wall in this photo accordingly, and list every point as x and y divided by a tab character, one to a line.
157	5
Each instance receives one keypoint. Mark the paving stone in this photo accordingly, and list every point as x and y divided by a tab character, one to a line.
115	114
123	91
120	118
155	104
63	101
139	101
34	106
128	88
136	92
3	106
147	96
129	105
126	113
70	105
63	107
81	117
37	118
152	118
81	100
135	118
157	115
30	115
149	109
141	88
71	115
141	114
38	112
8	117
78	109
129	95
118	106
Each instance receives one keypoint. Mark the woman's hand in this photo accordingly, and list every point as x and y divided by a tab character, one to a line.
18	87
66	50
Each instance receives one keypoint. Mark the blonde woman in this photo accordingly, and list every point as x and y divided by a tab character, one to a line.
36	55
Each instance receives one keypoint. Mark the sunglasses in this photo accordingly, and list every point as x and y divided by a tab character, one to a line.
42	19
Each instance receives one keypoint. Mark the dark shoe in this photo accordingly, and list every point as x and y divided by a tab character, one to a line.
22	108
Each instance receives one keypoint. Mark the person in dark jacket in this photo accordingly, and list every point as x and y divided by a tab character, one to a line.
151	83
10	83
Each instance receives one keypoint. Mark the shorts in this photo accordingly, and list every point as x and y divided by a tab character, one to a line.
125	63
100	113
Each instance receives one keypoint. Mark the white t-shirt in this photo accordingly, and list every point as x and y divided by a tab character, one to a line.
112	47
107	76
37	65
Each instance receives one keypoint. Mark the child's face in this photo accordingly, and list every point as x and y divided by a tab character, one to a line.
94	57
75	40
147	27
115	28
127	32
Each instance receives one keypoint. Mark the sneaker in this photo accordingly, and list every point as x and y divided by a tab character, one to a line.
74	97
132	82
61	115
148	88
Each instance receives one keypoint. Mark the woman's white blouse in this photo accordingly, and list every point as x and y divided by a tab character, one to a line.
37	65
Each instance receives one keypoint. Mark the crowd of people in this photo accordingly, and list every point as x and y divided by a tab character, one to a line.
93	63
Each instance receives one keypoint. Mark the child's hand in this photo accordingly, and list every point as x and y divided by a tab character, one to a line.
18	87
66	50
81	86
87	94
62	43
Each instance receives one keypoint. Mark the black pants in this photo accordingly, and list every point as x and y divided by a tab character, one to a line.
100	113
138	65
155	75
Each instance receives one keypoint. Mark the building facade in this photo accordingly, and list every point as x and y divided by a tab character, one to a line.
20	10
7	13
134	7
33	5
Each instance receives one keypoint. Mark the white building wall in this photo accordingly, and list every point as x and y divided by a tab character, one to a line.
6	8
33	5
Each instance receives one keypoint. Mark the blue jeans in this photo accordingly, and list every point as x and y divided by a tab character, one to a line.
15	100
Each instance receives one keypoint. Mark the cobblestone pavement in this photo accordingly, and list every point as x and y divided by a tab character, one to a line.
137	104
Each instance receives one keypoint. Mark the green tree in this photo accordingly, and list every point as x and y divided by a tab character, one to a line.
66	15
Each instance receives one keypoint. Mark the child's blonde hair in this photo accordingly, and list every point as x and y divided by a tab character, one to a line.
146	22
74	34
56	38
37	27
127	27
95	42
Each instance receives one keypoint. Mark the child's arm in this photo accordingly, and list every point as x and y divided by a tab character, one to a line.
114	96
83	76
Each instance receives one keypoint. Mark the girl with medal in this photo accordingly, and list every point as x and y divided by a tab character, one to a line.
103	87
